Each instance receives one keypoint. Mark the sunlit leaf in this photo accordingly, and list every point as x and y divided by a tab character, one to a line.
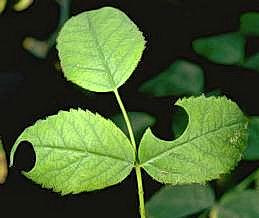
181	78
212	143
77	151
100	49
139	120
22	5
226	48
252	151
179	201
249	23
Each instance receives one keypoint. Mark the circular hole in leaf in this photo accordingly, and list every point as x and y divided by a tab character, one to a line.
25	157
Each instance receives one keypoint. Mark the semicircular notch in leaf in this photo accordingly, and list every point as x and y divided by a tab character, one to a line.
77	151
180	201
249	24
228	48
211	145
181	78
100	49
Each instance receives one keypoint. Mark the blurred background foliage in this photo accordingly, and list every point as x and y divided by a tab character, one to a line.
193	47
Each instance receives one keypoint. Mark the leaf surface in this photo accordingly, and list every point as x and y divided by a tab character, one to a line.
100	49
252	150
181	78
179	201
226	48
249	24
77	151
211	145
240	204
252	62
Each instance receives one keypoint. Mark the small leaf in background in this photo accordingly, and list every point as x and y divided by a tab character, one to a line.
2	5
77	151
228	48
100	49
249	24
179	201
252	150
22	5
181	78
252	62
211	145
140	122
3	164
179	121
36	47
243	204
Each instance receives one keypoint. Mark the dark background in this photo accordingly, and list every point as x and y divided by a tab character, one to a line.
31	89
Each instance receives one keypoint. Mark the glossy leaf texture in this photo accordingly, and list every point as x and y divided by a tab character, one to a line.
3	164
252	62
240	204
2	5
100	49
22	5
181	78
180	201
228	48
212	143
252	151
77	151
140	121
249	24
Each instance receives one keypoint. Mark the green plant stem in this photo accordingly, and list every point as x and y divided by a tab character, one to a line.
137	167
126	118
140	192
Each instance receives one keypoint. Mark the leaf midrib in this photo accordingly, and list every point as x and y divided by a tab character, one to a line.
167	152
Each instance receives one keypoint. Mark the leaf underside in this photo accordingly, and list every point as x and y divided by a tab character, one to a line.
77	151
211	145
100	49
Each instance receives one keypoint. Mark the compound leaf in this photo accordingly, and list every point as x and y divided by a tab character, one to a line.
181	78
77	151
100	49
240	204
180	201
249	24
252	151
226	48
211	145
140	122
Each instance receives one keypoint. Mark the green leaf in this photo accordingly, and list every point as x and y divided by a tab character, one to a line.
179	201
226	48
181	78
249	24
22	5
139	120
252	151
211	145
77	151
241	204
2	5
252	62
100	49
